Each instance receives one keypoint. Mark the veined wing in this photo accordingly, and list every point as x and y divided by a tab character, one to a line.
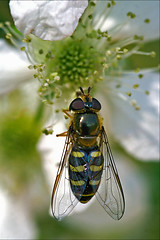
110	195
63	200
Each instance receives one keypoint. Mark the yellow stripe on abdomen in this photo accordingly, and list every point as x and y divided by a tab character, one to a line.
80	168
95	168
88	195
84	201
77	154
85	195
77	183
96	154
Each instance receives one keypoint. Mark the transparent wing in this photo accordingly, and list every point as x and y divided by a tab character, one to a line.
63	200
110	194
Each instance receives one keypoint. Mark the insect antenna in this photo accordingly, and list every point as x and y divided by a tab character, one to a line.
82	90
89	89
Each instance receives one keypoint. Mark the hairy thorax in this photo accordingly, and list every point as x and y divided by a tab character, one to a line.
87	127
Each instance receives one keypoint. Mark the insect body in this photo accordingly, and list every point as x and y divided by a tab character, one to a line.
86	163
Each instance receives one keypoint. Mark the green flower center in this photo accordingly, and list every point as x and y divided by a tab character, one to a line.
74	61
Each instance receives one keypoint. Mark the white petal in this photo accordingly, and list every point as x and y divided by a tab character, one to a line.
137	131
13	67
15	220
49	20
142	9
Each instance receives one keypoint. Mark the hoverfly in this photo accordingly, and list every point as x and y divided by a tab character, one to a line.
86	163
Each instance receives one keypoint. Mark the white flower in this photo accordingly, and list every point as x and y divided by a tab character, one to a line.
131	128
49	20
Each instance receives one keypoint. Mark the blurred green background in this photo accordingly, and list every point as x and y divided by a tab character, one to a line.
22	177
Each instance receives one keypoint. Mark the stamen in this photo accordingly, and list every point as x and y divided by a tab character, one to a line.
103	14
88	12
16	34
27	54
134	104
135	86
116	30
147	92
140	75
137	108
129	94
47	131
143	53
125	42
10	37
131	15
147	20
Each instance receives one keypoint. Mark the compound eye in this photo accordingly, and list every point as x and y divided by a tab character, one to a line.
76	104
96	104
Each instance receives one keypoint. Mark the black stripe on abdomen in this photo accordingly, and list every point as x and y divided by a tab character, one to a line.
87	194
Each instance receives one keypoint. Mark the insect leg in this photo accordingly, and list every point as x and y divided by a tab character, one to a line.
66	112
64	134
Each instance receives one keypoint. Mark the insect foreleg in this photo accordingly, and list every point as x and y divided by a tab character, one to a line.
66	112
64	134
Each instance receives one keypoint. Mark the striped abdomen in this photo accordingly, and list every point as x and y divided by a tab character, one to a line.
85	170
